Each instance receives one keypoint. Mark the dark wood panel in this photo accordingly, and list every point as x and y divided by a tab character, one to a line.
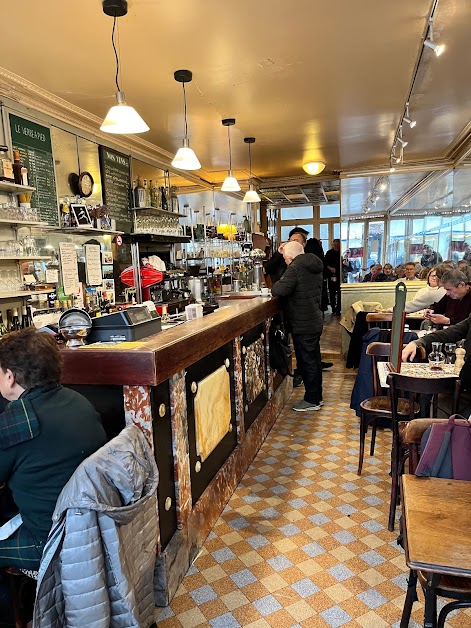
108	366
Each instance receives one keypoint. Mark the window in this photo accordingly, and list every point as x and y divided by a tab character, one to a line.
296	213
329	211
375	242
286	229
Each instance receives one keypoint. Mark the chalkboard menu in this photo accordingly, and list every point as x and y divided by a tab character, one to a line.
116	182
33	141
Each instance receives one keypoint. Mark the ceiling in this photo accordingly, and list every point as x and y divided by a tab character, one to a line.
311	80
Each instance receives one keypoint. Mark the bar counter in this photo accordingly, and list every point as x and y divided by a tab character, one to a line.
205	396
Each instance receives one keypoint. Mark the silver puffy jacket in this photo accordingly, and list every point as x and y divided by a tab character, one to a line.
98	563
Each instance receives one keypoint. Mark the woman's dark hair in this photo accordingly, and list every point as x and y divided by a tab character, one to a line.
33	358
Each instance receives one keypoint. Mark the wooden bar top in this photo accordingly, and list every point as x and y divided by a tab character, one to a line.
154	359
438	524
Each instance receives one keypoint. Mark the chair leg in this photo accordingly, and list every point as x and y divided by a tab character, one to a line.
452	606
411	597
373	436
363	430
430	611
395	463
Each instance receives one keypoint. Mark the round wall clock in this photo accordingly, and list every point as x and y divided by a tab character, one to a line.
85	184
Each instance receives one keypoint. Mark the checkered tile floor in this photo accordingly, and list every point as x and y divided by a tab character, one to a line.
304	540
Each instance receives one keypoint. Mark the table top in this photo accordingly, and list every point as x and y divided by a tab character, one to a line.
437	525
413	369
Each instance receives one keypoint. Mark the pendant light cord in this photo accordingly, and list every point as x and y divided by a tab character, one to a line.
230	151
250	162
184	111
115	53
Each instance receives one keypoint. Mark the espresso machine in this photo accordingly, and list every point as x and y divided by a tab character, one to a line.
173	291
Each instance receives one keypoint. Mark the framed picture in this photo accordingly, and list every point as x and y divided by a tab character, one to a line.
81	215
107	258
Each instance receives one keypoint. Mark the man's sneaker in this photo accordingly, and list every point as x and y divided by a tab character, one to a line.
327	365
305	406
297	381
321	403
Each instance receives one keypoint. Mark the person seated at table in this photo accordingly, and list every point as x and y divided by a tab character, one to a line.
375	274
428	295
452	334
399	272
455	306
410	272
46	431
388	272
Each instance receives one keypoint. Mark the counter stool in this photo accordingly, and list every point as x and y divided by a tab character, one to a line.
20	579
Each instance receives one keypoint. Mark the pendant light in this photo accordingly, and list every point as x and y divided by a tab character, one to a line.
251	195
121	118
185	159
314	167
230	184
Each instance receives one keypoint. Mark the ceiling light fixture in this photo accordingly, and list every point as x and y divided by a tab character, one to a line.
251	195
230	183
185	159
408	119
400	140
121	118
314	167
438	49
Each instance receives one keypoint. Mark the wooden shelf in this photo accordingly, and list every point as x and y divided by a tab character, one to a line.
23	293
24	258
23	223
157	237
159	212
84	230
14	188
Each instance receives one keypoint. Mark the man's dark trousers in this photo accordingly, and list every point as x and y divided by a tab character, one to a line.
334	295
308	360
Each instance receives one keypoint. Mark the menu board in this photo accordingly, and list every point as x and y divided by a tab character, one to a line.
116	182
33	141
93	265
69	268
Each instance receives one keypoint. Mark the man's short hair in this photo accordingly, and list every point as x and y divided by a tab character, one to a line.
454	277
33	358
299	233
293	249
411	264
298	230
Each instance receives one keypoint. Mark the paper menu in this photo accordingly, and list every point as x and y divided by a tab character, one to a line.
93	264
69	267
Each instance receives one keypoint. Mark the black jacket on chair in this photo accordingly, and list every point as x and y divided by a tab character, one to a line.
301	289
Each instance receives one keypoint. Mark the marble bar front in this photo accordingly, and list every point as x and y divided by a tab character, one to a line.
205	396
381	292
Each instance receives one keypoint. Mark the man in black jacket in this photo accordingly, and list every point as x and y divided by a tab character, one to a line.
301	289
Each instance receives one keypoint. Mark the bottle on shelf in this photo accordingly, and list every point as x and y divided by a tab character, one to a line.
146	193
6	166
174	200
157	199
139	194
15	320
25	322
163	198
3	329
19	171
150	195
9	317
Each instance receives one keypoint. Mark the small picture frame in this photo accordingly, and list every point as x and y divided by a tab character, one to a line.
81	215
107	258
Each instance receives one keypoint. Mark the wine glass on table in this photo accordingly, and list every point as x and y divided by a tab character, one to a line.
450	352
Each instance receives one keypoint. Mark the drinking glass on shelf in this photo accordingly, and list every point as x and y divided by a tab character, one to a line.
450	352
436	358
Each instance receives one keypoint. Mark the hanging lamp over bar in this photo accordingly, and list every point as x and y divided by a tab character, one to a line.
185	159
230	183
121	118
251	196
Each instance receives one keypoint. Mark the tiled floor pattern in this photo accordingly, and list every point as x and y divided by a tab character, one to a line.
303	540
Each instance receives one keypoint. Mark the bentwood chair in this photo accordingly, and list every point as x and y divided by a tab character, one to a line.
379	319
457	589
378	406
418	389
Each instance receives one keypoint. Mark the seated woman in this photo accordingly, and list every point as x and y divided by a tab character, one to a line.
424	297
455	306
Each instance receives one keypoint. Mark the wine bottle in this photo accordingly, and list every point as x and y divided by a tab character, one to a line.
139	194
174	200
150	194
146	194
3	329
15	320
163	197
24	317
6	167
17	167
8	321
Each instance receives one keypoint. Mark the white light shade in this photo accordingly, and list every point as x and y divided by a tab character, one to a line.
438	49
185	159
314	167
251	196
122	119
230	184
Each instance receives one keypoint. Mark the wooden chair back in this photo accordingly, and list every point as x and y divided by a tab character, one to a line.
377	350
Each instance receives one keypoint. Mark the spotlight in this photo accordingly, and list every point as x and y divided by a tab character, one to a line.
403	142
410	122
438	49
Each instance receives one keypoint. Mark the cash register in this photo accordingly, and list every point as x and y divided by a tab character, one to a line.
133	323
